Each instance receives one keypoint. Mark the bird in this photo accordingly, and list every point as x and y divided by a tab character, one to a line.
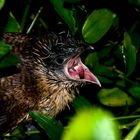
51	72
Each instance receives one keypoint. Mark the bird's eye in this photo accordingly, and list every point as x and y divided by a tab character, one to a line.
60	60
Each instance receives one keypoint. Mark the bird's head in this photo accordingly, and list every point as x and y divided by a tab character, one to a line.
61	57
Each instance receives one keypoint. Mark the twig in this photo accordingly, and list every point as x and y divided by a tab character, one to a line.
33	22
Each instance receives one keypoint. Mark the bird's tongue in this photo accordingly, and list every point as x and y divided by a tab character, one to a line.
79	71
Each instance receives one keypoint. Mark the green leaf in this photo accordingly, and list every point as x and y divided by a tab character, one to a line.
92	124
133	133
66	14
105	80
105	71
137	2
135	91
97	24
6	58
105	52
80	102
12	24
92	60
114	97
105	74
4	49
129	54
51	126
9	60
2	3
18	133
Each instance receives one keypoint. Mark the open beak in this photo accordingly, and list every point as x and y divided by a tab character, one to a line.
76	70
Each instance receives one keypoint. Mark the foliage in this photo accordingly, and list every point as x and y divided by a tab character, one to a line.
112	27
2	3
97	122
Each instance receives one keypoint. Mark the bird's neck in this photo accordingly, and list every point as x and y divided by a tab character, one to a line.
54	95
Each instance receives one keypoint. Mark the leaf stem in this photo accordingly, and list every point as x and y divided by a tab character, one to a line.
131	135
33	22
127	117
122	76
25	15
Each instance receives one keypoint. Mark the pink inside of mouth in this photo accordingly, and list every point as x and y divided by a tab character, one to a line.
78	71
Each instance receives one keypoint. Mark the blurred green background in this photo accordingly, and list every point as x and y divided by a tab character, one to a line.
111	112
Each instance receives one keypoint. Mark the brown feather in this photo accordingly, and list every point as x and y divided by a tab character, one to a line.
42	84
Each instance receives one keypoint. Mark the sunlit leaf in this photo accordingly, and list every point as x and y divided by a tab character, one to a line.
12	24
91	124
97	24
49	125
129	54
114	97
66	14
2	3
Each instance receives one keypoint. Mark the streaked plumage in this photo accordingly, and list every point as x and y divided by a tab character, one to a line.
50	72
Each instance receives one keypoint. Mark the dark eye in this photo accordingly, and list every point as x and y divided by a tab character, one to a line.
60	60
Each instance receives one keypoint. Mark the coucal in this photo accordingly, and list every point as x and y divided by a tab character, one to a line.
51	72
